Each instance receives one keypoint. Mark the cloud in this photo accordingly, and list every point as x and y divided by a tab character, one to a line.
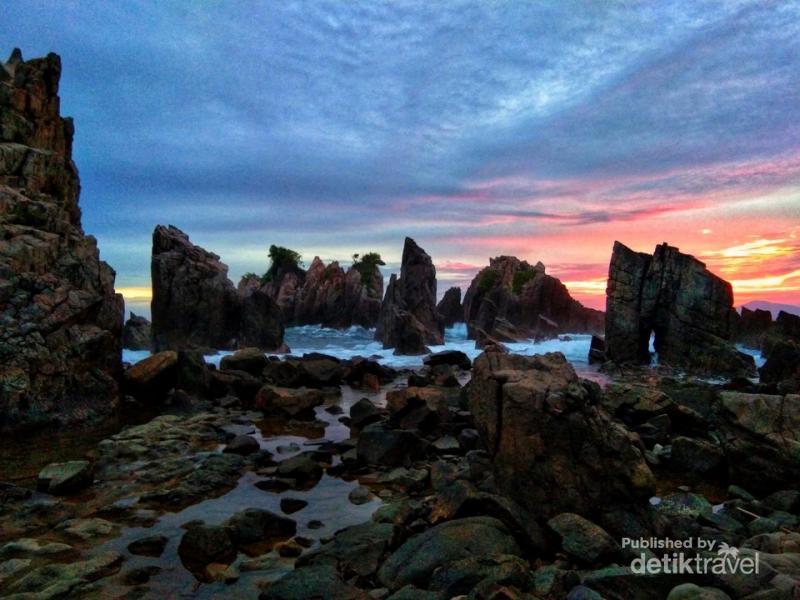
334	127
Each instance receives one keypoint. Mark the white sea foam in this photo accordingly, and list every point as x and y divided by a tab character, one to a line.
358	341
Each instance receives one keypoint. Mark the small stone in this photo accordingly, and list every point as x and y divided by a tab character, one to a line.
315	524
87	529
149	546
360	495
63	479
292	505
581	538
242	445
289	549
446	445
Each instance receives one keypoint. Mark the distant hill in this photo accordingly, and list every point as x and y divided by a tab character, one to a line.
773	307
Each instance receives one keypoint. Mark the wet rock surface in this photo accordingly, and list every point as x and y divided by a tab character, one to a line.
522	483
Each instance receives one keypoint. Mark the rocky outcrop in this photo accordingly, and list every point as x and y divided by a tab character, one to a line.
332	298
673	296
782	366
752	326
408	319
511	300
261	322
553	449
194	303
363	291
325	295
137	334
450	309
196	306
60	320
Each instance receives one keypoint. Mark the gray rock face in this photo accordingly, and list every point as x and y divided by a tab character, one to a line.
549	442
673	295
408	319
450	308
60	320
512	300
137	334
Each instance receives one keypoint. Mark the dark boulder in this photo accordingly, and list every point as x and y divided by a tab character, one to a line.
290	402
597	350
582	539
417	559
256	525
365	373
243	445
318	581
204	544
455	358
549	441
149	546
150	379
249	360
449	308
687	308
379	445
408	319
782	366
364	412
355	551
311	370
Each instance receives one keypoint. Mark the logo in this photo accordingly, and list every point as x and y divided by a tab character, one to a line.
690	556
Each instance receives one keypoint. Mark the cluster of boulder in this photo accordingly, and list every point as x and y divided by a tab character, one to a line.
672	297
60	319
510	300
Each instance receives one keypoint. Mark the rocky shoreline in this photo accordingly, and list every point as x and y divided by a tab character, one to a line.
346	479
315	476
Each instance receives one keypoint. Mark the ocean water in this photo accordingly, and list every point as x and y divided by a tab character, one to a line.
358	341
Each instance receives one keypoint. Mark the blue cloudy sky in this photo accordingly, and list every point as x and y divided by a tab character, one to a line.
541	129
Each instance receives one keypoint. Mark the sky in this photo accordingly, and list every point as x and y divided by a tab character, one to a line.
544	130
